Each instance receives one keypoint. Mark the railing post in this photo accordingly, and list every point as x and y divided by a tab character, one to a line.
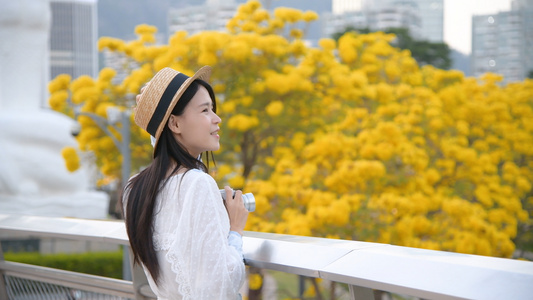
301	286
361	293
3	289
126	267
140	283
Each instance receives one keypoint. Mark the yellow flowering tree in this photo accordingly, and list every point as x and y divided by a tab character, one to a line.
350	139
421	157
253	74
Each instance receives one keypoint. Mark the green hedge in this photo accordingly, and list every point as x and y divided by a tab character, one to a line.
108	264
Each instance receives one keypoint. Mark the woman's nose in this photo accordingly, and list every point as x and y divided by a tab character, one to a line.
217	119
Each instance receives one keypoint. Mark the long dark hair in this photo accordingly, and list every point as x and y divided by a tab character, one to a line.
141	191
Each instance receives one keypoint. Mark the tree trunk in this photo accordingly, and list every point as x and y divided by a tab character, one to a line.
256	294
317	289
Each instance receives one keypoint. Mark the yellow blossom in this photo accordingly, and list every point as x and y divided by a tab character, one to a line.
348	48
72	160
310	16
207	59
145	29
228	107
287	14
238	51
296	33
255	281
236	182
58	100
274	108
61	82
242	122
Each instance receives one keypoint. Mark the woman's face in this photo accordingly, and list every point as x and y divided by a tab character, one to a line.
196	129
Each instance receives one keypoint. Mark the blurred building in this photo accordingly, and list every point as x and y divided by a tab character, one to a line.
375	19
396	17
213	15
119	62
430	12
339	22
343	6
73	38
502	42
423	18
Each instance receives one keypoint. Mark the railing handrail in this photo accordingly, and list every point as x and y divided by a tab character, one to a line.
409	271
106	231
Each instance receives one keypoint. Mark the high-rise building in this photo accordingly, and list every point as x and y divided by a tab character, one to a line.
73	38
214	15
344	6
396	17
430	12
502	42
375	20
423	18
333	23
521	4
526	7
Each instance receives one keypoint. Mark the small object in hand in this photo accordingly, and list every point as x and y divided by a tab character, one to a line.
248	199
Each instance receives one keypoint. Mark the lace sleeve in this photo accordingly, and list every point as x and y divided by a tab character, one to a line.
204	264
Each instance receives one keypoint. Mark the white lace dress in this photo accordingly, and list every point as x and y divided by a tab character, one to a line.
191	241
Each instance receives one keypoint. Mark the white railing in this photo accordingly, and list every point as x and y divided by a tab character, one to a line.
363	266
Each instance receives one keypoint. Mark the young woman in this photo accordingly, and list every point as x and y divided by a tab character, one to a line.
187	239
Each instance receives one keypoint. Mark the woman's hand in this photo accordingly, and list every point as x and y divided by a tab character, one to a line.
236	211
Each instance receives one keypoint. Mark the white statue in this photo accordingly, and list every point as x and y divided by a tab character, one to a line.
33	176
24	32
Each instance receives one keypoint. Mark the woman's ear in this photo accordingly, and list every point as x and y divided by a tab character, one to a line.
173	124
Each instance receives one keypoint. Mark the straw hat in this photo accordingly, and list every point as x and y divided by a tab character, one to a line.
160	97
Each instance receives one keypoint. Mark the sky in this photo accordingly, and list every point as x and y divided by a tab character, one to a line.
458	19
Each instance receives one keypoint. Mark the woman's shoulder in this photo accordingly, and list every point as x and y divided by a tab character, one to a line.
195	183
195	176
